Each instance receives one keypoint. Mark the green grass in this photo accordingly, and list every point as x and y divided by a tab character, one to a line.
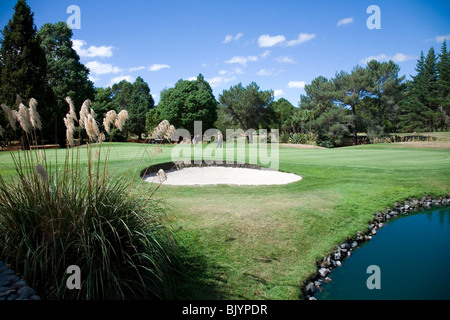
263	242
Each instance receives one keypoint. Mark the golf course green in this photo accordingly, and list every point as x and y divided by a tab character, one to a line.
262	242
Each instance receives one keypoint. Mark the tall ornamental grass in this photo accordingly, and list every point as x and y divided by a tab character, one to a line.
55	216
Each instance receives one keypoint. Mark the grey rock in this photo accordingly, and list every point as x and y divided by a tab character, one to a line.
338	263
354	244
25	292
337	255
19	284
12	296
7	272
323	272
310	289
8	280
35	297
7	292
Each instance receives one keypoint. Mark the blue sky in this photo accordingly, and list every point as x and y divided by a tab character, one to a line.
281	45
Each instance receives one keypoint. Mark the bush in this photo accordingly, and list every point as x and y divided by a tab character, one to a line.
79	215
376	134
298	138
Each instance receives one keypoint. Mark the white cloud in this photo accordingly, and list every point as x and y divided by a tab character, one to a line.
120	78
265	54
264	72
242	60
157	67
282	59
220	81
272	72
345	21
92	51
442	38
192	78
399	57
137	68
266	40
297	84
230	38
278	93
102	68
302	37
93	79
380	57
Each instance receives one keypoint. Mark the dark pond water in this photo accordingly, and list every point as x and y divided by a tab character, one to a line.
413	256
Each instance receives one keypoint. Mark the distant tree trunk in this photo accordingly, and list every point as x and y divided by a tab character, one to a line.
355	129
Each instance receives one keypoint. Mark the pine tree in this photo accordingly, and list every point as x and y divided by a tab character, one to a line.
66	75
443	84
421	109
23	66
141	102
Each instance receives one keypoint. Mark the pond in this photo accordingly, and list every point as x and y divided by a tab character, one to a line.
413	257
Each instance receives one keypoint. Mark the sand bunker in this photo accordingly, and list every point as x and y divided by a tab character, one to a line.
199	176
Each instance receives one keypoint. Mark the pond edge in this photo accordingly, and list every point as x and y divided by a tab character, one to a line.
344	250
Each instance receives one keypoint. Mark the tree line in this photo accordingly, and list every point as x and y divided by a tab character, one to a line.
372	99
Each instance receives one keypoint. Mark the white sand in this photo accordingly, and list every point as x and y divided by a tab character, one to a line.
224	175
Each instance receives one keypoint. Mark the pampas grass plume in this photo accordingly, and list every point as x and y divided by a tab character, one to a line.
35	119
11	116
121	118
109	119
72	108
24	118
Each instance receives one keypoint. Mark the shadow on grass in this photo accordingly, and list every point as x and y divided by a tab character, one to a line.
198	278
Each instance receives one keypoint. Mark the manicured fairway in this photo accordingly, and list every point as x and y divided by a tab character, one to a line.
262	242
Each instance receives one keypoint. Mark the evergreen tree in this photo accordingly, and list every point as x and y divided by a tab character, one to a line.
137	100
411	118
65	73
23	67
421	109
388	88
141	102
103	102
247	105
443	84
351	89
281	113
187	102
